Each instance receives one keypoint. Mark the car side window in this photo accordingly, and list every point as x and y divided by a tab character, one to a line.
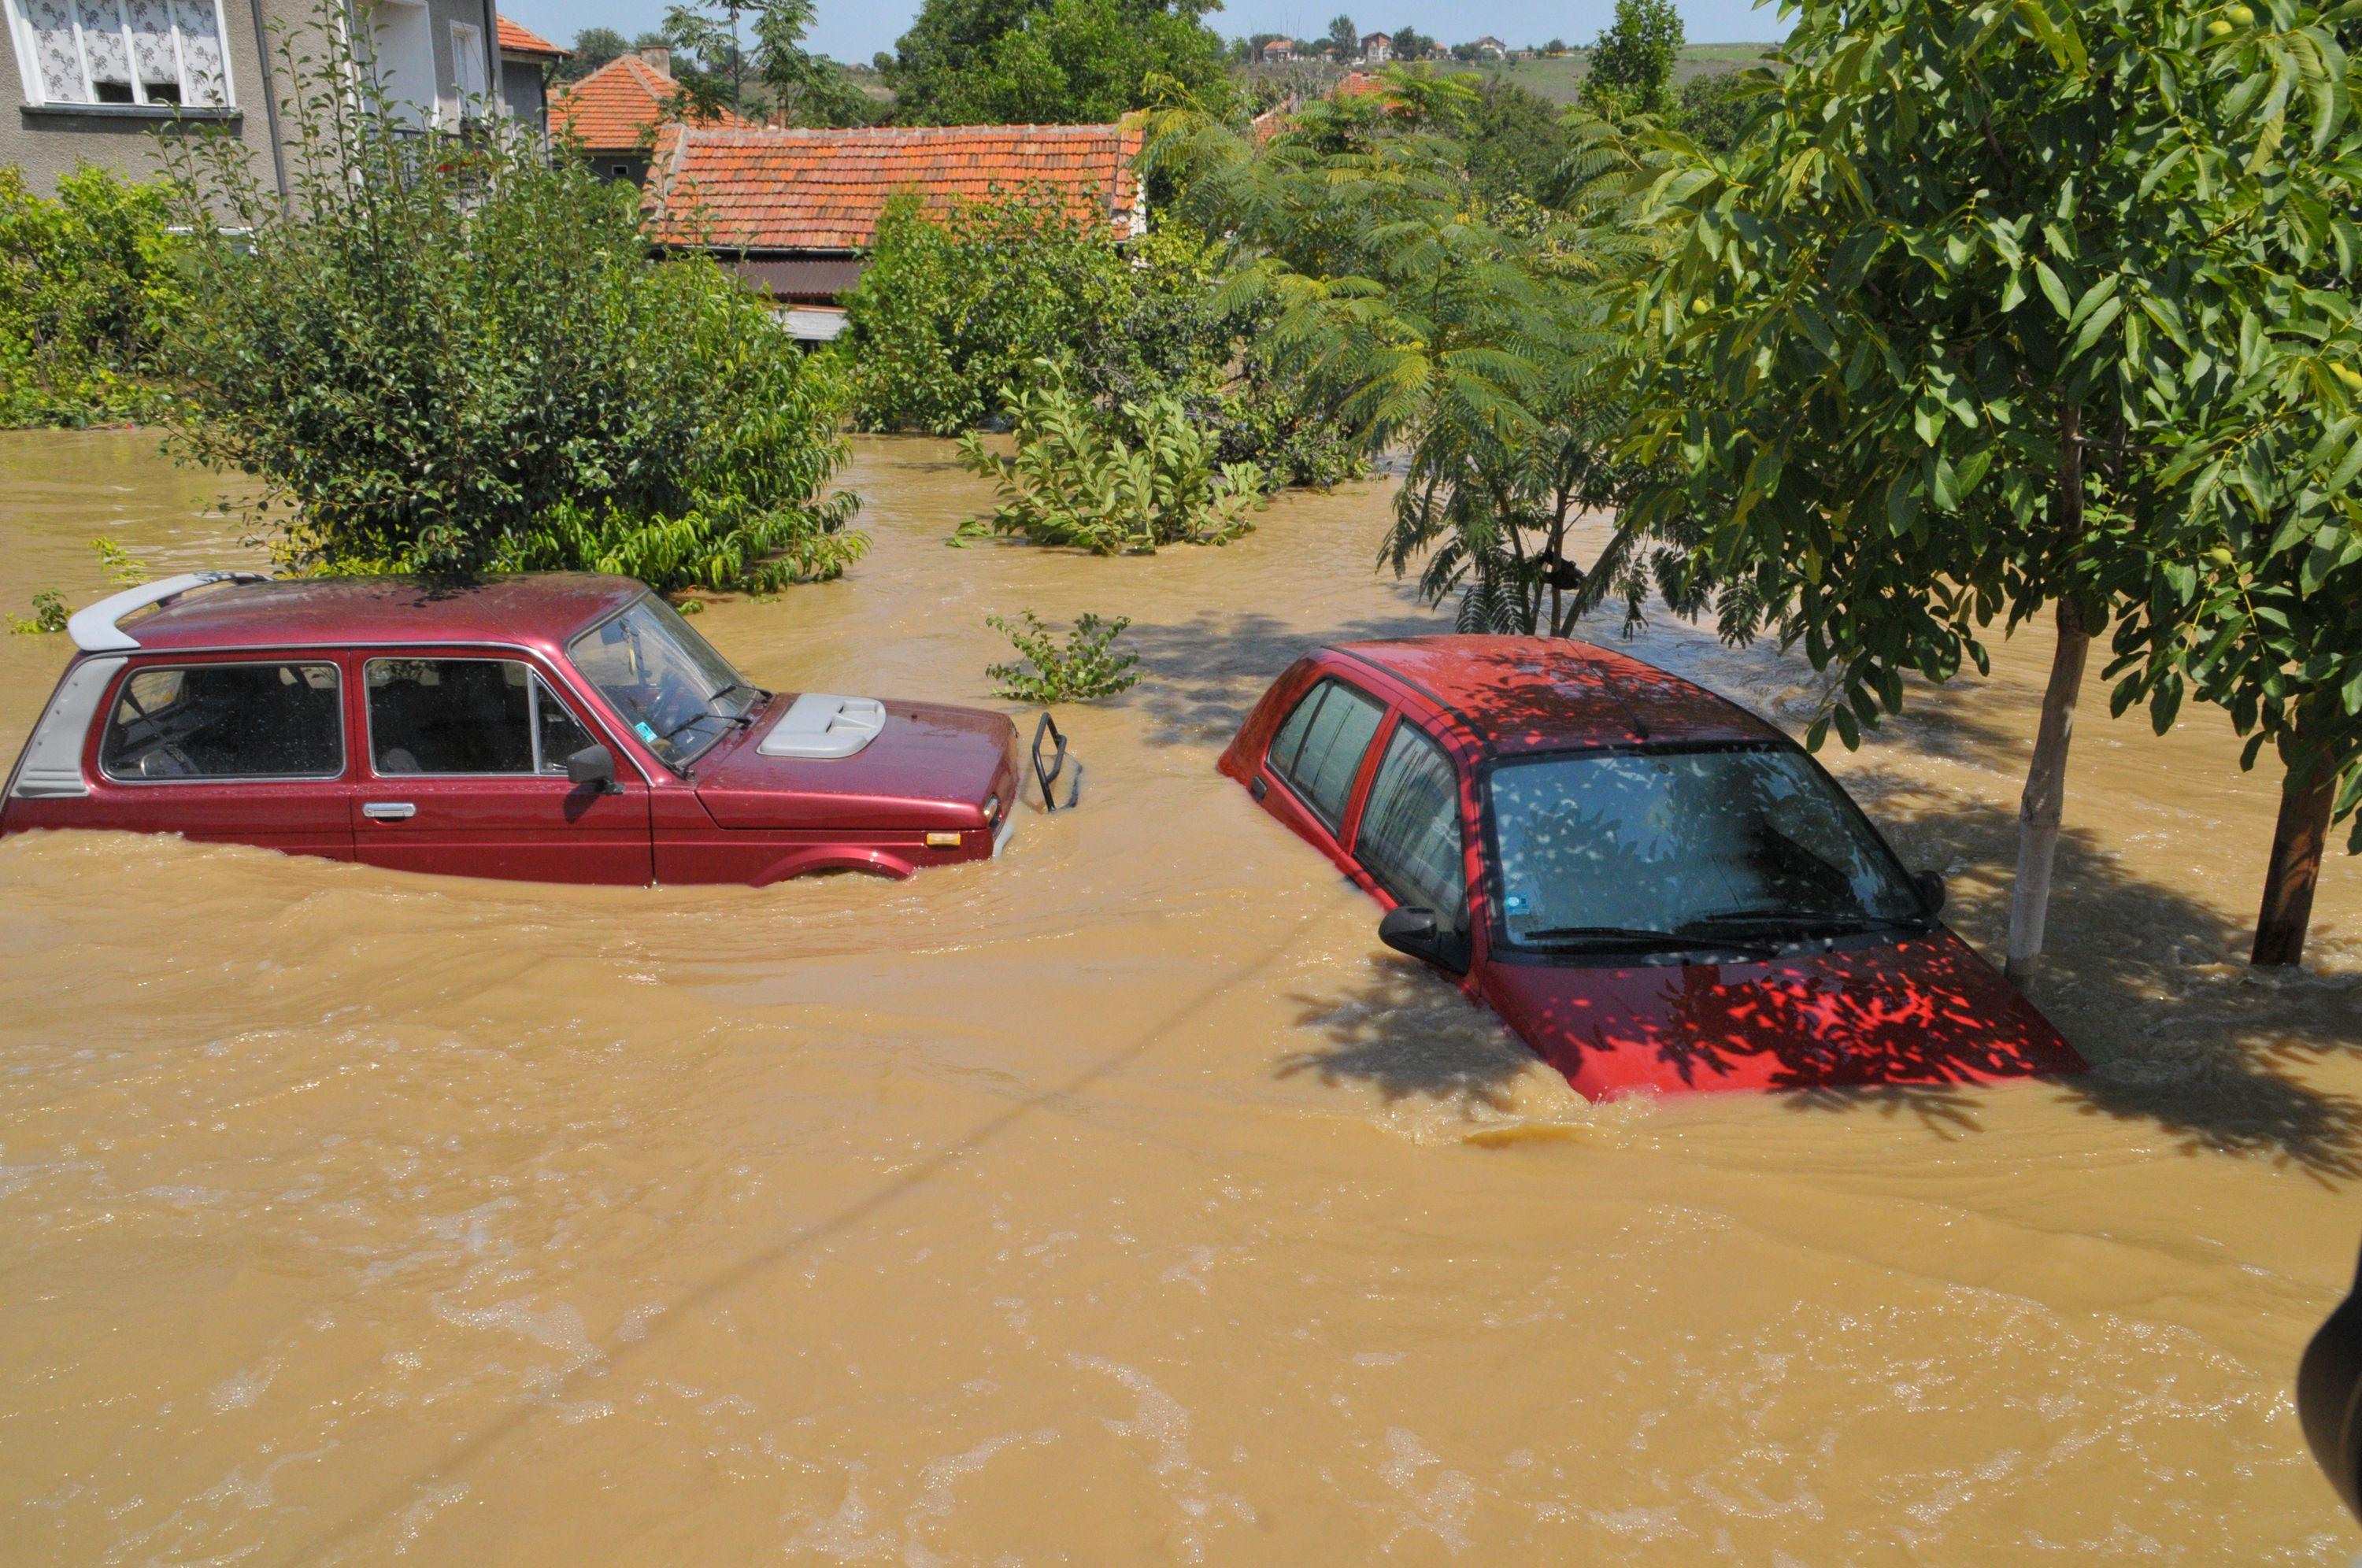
1319	748
467	716
225	721
1410	829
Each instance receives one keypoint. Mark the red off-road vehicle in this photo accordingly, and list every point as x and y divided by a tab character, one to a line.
562	727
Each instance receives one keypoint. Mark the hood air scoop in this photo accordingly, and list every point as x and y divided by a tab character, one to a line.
819	725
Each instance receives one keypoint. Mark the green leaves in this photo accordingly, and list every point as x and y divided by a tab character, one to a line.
457	355
1953	450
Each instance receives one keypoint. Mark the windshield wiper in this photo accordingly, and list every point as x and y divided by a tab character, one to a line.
1635	939
1802	923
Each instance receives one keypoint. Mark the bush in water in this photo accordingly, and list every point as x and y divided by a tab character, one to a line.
453	354
87	283
1129	481
1085	668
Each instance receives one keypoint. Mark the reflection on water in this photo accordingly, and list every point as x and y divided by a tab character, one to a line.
1121	1200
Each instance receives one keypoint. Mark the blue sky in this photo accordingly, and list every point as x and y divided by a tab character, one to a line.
856	31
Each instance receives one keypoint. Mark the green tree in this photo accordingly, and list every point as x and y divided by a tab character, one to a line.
1053	61
708	40
1345	38
1517	142
1632	64
807	89
593	46
88	284
450	355
954	310
1474	345
1711	110
1411	44
2005	305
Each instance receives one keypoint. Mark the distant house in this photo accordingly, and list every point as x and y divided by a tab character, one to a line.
526	60
795	212
1377	48
98	76
1279	51
614	112
1489	48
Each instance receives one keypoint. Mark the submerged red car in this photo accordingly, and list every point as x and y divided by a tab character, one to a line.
1655	889
557	727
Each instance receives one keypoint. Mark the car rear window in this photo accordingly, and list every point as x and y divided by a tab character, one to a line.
467	716
225	721
1319	748
1410	829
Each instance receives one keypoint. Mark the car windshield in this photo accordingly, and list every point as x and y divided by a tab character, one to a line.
665	680
1673	850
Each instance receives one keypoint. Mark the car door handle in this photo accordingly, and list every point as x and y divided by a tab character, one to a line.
389	811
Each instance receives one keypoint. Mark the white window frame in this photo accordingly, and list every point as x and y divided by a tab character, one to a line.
467	43
29	67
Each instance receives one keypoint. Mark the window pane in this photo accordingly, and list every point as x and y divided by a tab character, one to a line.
152	50
1333	744
562	736
1663	841
52	24
104	47
1410	829
664	680
450	715
205	76
227	721
1318	747
1290	739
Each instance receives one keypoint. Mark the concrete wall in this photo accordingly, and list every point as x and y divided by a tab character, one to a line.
525	93
48	141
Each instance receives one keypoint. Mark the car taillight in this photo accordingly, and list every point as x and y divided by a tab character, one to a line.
991	809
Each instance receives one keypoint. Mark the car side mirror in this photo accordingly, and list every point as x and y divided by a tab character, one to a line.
593	765
1424	936
1931	889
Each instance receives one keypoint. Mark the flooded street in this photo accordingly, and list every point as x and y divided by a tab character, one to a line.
1124	1199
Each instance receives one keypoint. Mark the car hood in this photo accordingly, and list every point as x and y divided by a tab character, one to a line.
1923	1010
931	767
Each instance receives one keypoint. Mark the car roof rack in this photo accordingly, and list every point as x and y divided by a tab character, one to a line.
94	630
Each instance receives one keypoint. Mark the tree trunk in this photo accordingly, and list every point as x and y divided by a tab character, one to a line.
2044	802
2040	808
2308	789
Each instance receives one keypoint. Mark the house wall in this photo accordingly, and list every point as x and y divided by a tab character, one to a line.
631	167
524	93
46	141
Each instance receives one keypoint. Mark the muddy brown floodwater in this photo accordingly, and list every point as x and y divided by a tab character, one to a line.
1123	1200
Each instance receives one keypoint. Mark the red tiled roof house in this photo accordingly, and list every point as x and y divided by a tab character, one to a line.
614	113
795	211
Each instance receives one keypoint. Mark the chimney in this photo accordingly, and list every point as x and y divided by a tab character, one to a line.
659	57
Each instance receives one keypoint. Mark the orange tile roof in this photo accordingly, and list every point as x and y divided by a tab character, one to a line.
823	190
525	40
617	104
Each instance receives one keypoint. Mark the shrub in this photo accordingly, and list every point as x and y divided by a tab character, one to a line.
48	614
454	355
1085	668
1146	475
956	309
86	285
961	312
